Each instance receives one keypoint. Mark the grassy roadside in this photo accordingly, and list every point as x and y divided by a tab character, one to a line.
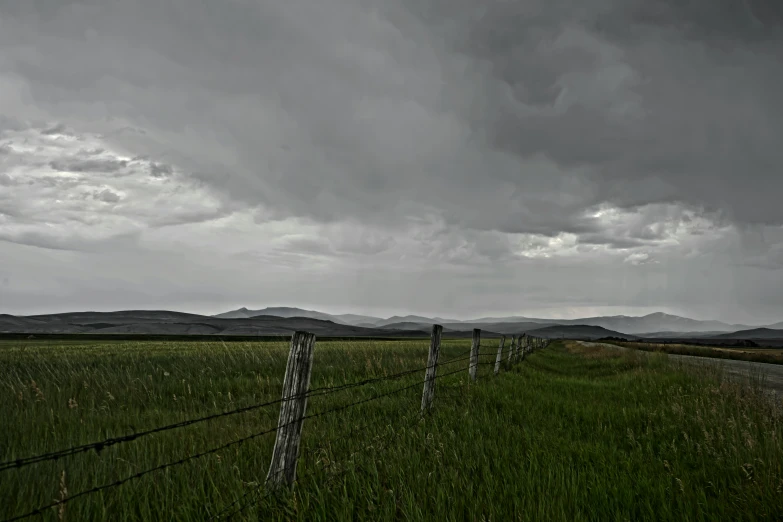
572	433
764	355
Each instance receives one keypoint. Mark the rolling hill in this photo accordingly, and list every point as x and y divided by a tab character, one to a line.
176	323
576	331
146	322
677	335
656	322
280	311
505	328
755	333
285	311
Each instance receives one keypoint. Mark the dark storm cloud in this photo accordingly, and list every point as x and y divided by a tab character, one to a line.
675	100
88	165
60	128
429	135
644	102
610	240
160	170
107	196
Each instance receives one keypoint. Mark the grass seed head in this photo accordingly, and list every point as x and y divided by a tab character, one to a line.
39	395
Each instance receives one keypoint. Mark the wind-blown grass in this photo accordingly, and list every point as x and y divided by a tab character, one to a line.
571	433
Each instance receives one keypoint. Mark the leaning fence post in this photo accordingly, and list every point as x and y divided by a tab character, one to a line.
432	367
510	359
282	470
499	357
522	346
474	353
519	348
518	356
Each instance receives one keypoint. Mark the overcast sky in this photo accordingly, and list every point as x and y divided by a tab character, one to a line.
453	157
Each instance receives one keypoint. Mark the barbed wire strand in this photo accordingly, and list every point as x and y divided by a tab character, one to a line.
111	441
270	492
416	419
183	460
140	474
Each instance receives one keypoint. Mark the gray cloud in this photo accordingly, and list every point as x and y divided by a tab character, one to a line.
65	196
604	104
88	165
107	196
159	170
60	128
455	135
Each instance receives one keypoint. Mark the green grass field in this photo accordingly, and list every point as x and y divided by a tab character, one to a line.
571	433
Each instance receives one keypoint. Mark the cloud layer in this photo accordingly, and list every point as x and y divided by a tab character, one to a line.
496	155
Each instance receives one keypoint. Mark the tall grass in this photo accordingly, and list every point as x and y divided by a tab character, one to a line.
572	433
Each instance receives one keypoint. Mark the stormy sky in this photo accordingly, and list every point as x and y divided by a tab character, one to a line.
453	157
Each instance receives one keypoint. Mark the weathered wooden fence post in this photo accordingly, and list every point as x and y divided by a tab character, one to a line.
518	356
296	382
522	346
510	360
499	357
432	368
474	353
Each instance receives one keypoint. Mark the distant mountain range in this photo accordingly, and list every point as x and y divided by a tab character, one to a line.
351	319
755	333
645	325
283	321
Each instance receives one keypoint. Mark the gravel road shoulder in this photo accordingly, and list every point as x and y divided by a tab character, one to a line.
769	376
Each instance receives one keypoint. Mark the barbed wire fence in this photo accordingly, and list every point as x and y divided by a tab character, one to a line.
293	404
